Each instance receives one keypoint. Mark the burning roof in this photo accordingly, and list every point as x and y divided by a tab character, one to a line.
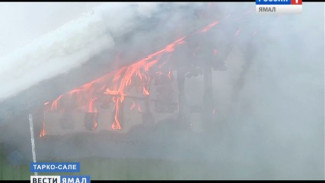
117	83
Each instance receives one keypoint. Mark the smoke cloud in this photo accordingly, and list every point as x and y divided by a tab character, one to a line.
70	45
268	91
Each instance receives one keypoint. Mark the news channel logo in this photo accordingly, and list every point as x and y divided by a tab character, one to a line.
56	167
60	179
278	6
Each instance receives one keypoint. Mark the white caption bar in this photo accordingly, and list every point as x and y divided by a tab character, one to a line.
278	8
45	179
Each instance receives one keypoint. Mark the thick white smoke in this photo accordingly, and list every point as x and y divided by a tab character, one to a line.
69	46
269	100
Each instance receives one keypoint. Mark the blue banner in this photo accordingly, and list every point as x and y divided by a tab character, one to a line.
274	2
55	167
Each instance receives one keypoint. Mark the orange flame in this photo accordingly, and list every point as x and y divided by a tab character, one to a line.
110	92
95	125
132	106
170	74
121	81
207	28
145	91
139	109
54	105
139	68
116	124
93	109
43	131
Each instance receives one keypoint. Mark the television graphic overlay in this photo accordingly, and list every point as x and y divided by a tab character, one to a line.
279	6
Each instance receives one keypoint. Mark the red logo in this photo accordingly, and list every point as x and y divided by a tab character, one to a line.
296	2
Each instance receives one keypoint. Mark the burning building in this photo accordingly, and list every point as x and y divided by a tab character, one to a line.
148	90
163	81
126	89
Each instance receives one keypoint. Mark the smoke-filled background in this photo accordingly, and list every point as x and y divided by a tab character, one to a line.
268	89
